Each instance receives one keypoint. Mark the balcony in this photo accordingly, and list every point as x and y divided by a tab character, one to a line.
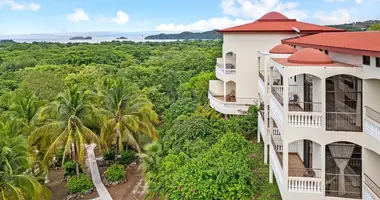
228	103
262	89
223	71
372	123
261	125
300	178
305	114
300	114
371	189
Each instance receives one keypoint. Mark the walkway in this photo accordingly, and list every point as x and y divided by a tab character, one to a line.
102	190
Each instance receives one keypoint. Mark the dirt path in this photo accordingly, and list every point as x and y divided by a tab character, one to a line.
58	187
133	189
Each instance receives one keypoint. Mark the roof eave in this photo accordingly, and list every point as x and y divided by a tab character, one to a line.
336	49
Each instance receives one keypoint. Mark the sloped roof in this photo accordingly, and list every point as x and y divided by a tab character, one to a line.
277	22
358	43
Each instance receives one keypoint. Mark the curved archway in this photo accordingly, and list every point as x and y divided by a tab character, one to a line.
343	163
305	159
230	91
230	59
305	94
344	103
337	73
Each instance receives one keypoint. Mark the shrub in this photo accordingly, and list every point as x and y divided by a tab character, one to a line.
115	173
69	168
109	155
79	184
58	161
127	157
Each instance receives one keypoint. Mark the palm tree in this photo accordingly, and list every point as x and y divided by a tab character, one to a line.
67	121
129	113
25	110
15	182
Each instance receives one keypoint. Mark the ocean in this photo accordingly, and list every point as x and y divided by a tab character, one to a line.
94	40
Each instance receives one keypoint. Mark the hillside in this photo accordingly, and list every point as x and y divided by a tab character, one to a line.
356	26
208	35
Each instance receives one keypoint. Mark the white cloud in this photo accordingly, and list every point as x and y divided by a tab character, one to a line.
121	18
337	0
359	1
78	15
201	25
13	5
336	17
254	9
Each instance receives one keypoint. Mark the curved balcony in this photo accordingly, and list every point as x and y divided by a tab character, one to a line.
224	72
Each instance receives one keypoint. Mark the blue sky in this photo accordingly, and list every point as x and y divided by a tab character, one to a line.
60	16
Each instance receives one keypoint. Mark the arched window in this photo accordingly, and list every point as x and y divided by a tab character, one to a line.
344	103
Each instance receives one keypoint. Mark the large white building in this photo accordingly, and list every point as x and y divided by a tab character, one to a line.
320	108
236	87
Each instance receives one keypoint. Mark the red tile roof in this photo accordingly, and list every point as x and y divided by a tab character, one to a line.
309	56
358	43
286	63
276	22
273	16
283	49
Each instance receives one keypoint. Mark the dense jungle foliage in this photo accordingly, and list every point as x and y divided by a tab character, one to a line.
55	98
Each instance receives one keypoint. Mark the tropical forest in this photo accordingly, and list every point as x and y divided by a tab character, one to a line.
137	114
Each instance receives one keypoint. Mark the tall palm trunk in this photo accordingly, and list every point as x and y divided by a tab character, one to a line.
118	133
76	160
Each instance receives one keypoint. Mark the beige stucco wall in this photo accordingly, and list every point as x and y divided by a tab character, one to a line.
216	87
371	94
246	47
371	163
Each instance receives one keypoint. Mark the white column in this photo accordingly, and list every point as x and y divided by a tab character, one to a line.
266	146
225	90
270	77
323	90
270	172
258	134
323	167
224	64
285	100
285	162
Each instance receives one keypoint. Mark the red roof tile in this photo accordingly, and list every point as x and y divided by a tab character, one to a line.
358	43
286	63
273	16
276	22
309	56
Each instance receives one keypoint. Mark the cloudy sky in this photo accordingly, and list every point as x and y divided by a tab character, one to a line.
60	16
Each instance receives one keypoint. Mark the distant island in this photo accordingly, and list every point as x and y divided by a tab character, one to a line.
208	35
6	41
81	38
356	26
122	38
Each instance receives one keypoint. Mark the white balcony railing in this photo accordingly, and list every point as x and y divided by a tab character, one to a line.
303	184
371	189
372	123
239	107
276	166
220	63
305	119
262	88
261	126
276	135
278	111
